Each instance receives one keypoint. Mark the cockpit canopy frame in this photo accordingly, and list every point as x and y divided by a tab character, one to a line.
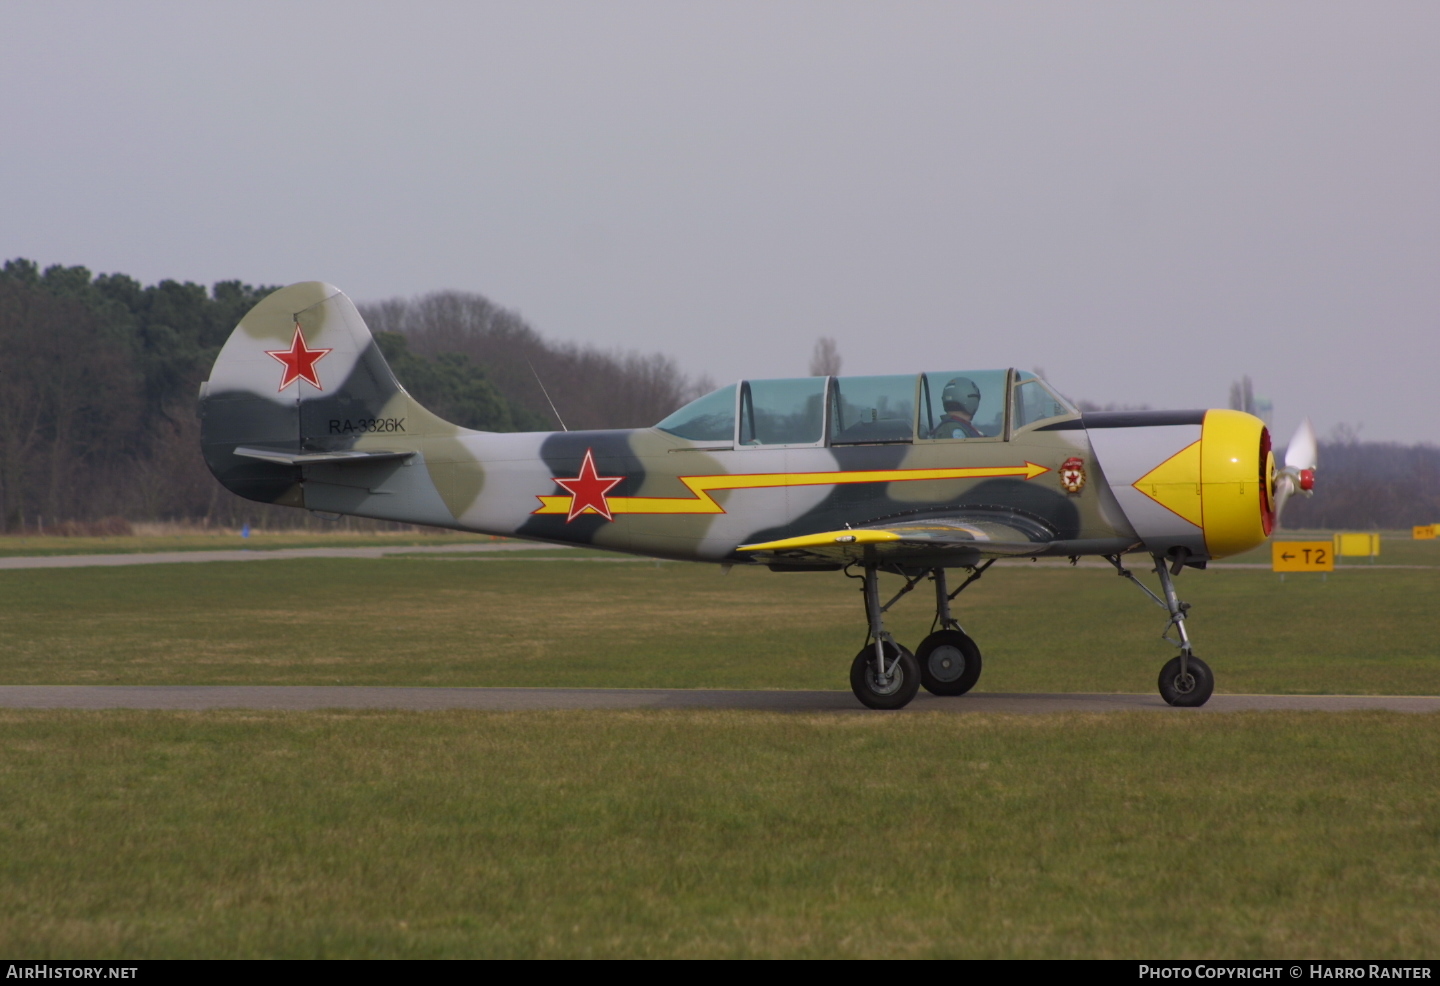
811	412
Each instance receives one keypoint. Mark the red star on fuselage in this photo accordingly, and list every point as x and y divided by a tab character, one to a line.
587	490
299	361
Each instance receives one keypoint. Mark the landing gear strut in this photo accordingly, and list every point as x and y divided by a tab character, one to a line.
1185	680
884	675
949	660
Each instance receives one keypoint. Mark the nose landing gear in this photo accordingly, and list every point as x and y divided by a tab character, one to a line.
1185	680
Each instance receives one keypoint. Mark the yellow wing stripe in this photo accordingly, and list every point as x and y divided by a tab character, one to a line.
701	502
827	540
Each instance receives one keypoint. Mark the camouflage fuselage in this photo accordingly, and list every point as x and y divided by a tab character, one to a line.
279	422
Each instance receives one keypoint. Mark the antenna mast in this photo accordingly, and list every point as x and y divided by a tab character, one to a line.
547	394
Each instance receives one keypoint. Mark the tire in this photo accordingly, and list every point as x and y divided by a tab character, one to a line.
949	662
893	694
1189	694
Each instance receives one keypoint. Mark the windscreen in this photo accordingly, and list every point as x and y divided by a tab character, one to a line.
706	419
1034	401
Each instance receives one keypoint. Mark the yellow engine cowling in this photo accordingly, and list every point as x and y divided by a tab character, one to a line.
1220	484
1237	482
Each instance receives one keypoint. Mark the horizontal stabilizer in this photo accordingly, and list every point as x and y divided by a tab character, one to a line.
290	457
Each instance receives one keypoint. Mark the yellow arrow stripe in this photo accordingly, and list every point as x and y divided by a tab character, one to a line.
702	486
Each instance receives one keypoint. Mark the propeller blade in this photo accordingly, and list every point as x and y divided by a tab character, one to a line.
1298	476
1301	452
1284	486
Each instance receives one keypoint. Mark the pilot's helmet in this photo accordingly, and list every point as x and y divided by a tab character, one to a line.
961	395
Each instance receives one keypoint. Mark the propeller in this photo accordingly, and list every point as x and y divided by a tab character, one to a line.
1298	475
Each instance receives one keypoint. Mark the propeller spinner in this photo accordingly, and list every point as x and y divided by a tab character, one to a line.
1299	472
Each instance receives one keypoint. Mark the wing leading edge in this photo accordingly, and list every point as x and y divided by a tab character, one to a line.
953	540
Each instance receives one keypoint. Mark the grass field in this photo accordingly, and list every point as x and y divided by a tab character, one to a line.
1397	546
719	834
587	619
695	833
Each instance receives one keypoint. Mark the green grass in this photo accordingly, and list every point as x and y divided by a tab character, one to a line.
708	833
570	622
696	834
1397	547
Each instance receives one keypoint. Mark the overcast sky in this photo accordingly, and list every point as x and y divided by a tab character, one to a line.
1145	199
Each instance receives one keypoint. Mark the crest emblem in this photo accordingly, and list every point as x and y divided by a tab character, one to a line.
1072	474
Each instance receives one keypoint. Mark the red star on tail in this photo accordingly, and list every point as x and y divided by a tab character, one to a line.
587	490
299	361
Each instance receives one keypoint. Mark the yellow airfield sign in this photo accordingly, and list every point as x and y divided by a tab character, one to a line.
1302	556
1426	533
1357	544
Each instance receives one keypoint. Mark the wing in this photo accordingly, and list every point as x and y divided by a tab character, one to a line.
966	537
953	540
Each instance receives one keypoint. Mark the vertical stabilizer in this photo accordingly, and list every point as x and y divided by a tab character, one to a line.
300	382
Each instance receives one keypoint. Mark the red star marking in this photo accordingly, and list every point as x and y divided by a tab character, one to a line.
587	490
299	361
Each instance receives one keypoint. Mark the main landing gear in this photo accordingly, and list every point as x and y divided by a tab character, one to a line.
884	675
1185	680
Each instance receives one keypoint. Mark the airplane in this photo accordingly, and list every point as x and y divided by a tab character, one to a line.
912	475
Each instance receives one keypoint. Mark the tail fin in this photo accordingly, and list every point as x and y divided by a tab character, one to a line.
300	400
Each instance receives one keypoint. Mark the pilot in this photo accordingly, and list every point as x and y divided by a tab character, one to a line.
961	398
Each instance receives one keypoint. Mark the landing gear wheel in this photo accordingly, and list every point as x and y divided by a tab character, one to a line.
1188	691
949	662
893	691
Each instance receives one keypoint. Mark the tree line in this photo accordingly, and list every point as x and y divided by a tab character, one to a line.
1369	486
99	375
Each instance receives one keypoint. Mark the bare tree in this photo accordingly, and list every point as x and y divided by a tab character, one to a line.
591	387
825	360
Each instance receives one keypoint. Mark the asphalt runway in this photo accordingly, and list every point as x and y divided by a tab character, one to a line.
303	697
